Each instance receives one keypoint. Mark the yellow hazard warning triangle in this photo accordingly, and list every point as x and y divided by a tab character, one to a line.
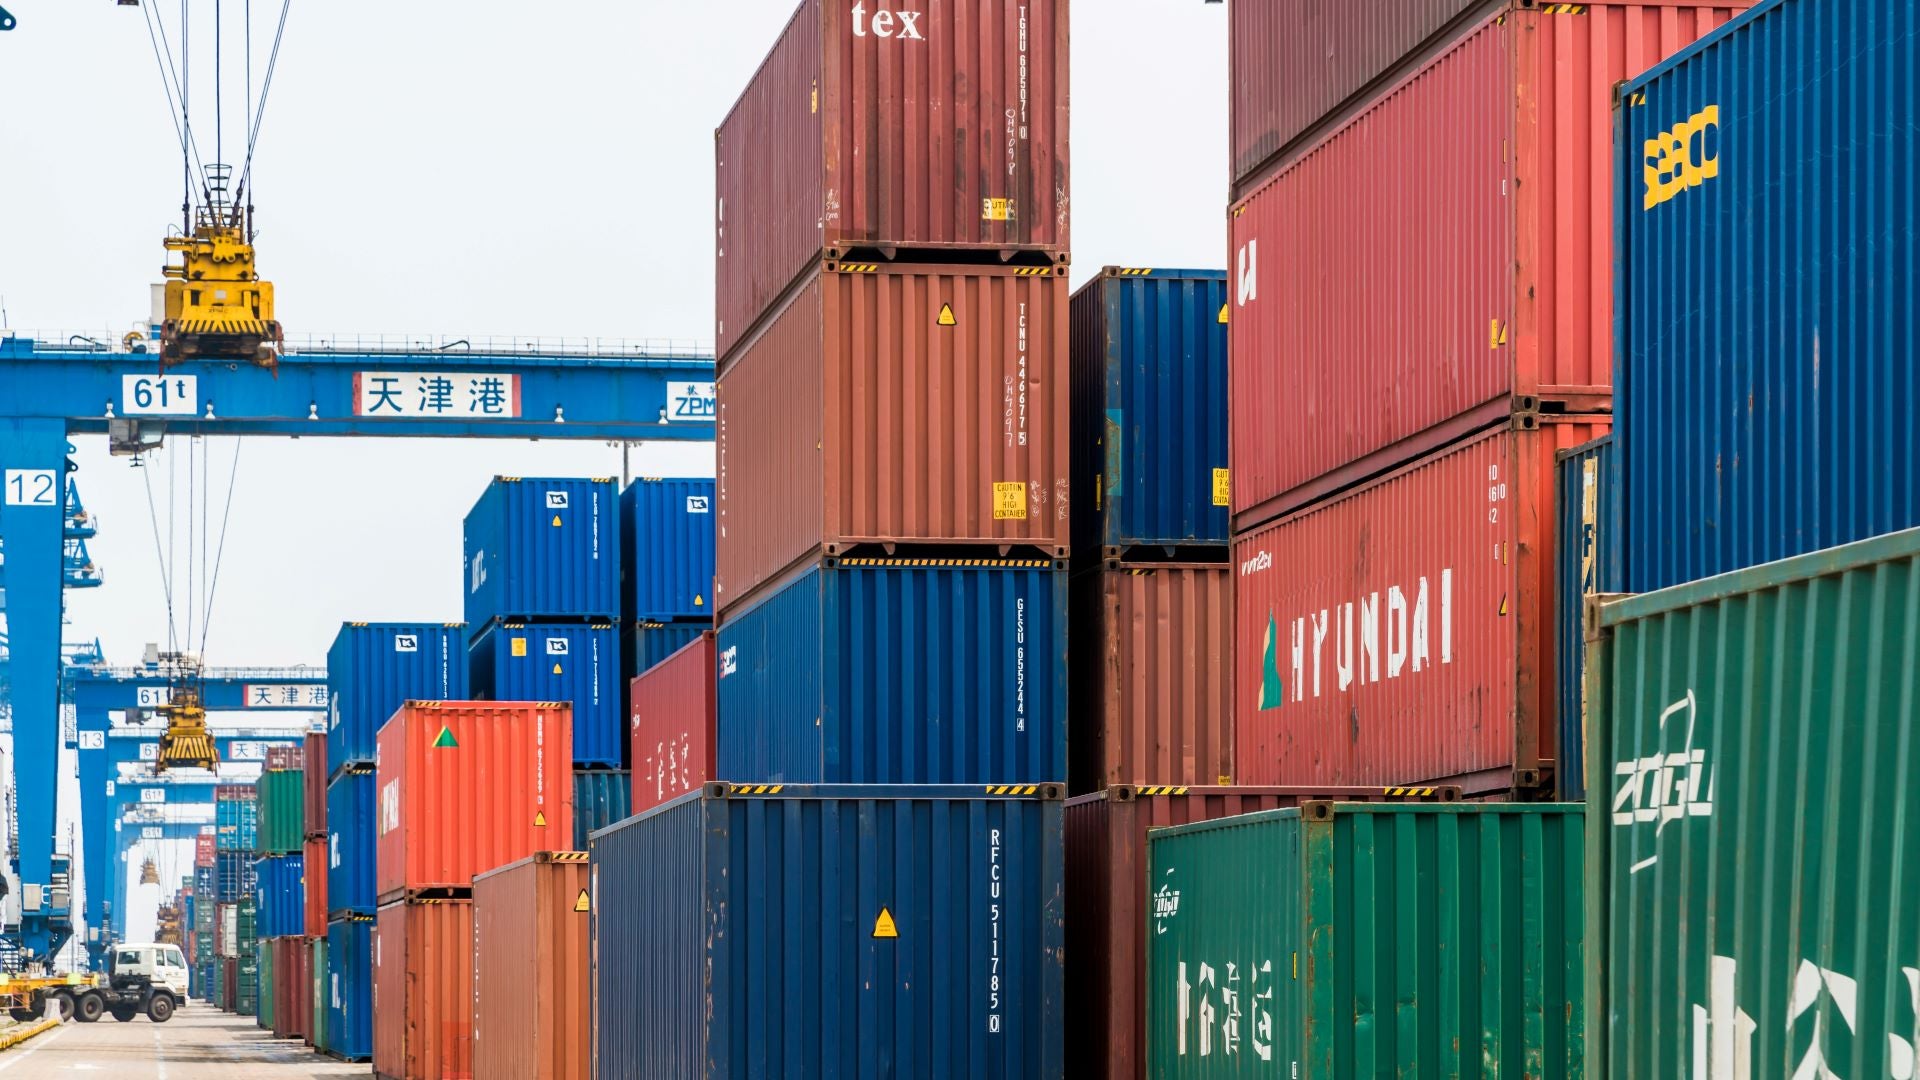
883	926
946	315
539	819
556	521
1223	314
582	903
556	669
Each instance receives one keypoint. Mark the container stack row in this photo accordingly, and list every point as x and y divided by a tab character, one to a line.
200	952
283	949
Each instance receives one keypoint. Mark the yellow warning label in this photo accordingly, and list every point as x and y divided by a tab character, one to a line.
556	521
519	646
1503	605
539	819
1222	487
582	903
883	926
1009	502
556	669
999	210
946	315
1223	314
699	601
1496	335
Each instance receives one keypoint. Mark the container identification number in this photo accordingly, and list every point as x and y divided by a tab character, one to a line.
994	1003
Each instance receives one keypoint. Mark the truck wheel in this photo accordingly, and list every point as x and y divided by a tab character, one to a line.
160	1009
23	1016
124	1015
88	1007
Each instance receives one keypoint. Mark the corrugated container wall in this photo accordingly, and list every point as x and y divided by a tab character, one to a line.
1149	366
1589	558
265	985
571	662
350	988
645	644
351	827
1405	632
468	786
1459	233
236	818
1768	236
869	127
1153	675
317	984
1429	941
916	404
282	814
666	549
374	668
930	671
542	547
233	876
1107	904
671	717
532	970
313	865
314	785
816	932
282	907
204	847
1755	903
289	987
423	990
600	798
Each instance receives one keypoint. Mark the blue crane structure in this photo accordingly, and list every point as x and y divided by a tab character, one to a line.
48	394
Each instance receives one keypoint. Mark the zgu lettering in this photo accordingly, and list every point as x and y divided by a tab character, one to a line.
886	24
1663	788
1407	630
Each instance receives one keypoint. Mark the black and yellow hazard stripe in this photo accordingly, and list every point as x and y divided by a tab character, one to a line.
1013	789
1161	789
757	789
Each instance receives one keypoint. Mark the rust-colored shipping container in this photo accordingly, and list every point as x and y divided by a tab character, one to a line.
465	786
1152	649
423	990
884	404
315	780
532	969
1404	632
670	719
1459	234
1108	901
286	758
292	987
875	129
205	846
314	866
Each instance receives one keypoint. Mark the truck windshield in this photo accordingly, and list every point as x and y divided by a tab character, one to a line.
129	957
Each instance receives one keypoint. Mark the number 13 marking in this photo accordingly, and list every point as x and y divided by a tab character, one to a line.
32	487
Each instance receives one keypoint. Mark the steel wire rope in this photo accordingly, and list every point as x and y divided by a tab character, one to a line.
266	87
220	550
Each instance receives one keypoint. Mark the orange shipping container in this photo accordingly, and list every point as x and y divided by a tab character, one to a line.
532	973
423	990
464	787
895	404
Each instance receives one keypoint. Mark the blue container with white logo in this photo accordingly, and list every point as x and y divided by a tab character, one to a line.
571	662
899	671
666	549
374	668
280	883
542	549
350	843
349	988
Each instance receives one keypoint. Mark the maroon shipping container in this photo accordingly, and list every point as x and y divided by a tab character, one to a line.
315	783
1107	890
873	128
314	864
423	990
1404	632
916	404
1152	675
671	720
532	970
286	758
230	979
465	786
292	987
204	846
1458	232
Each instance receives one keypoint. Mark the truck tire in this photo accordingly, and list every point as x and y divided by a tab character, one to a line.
23	1016
89	1007
124	1014
160	1009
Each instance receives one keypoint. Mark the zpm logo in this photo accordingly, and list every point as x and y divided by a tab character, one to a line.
689	401
1663	788
1683	158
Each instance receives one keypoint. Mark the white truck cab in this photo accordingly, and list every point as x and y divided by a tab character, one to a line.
162	965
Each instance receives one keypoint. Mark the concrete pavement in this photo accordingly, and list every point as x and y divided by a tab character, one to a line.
199	1043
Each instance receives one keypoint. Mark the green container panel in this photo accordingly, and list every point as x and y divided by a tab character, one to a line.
283	812
1359	940
263	986
1755	890
317	994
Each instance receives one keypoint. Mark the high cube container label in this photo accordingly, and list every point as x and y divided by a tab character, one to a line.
1753	761
1458	233
374	668
1344	940
350	844
666	549
919	928
1403	632
926	671
540	548
671	723
571	662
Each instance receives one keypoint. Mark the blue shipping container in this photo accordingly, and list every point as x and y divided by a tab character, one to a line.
644	644
280	889
1589	555
571	662
600	798
666	549
350	843
899	671
828	932
349	988
1150	410
373	668
542	549
1766	249
233	876
236	823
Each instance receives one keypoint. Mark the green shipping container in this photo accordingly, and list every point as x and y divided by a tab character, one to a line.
1360	940
1757	875
264	1015
317	994
283	812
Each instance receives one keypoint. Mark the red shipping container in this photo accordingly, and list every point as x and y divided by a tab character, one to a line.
671	720
230	978
292	987
532	970
286	758
464	787
873	127
423	990
1458	234
1404	632
1107	903
315	781
919	404
204	846
314	861
1152	675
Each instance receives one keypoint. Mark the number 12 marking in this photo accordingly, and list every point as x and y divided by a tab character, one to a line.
32	487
